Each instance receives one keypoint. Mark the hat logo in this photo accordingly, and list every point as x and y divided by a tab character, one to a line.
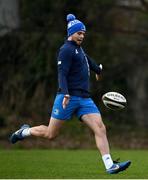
71	23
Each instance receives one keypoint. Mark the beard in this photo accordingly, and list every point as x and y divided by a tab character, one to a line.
79	41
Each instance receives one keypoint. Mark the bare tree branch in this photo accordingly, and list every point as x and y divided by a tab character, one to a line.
145	3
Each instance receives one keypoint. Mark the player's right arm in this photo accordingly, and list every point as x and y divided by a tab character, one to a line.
64	64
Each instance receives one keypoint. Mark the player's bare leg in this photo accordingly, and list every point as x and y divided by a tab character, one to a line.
94	122
50	131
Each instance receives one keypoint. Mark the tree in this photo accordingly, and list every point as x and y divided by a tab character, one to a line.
9	16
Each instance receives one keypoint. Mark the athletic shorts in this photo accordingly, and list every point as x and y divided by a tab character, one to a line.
77	105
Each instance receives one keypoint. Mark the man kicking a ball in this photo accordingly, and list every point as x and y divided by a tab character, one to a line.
73	96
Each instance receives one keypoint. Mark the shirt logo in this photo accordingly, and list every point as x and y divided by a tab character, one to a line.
59	62
76	51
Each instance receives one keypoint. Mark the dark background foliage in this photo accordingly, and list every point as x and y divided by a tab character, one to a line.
117	37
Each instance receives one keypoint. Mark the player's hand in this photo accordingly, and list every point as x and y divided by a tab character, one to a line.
65	101
98	76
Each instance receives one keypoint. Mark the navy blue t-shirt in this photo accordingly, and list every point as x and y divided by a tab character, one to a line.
74	70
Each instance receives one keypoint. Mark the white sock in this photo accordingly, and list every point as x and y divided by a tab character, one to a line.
108	162
26	132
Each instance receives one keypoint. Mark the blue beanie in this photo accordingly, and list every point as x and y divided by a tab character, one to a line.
74	25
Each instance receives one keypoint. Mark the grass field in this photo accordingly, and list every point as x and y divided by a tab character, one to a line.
62	164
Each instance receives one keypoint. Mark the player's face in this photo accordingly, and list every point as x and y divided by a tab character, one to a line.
78	37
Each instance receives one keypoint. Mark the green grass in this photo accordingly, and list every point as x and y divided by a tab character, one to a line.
61	164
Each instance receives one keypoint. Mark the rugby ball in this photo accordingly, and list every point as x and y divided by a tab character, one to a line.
114	100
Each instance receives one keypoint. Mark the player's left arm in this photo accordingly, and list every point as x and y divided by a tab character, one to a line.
94	67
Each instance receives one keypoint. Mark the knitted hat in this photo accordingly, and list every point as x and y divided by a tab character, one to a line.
74	25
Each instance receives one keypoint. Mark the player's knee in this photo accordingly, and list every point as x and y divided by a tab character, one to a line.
101	129
51	136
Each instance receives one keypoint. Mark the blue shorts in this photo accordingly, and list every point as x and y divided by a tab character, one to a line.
77	105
